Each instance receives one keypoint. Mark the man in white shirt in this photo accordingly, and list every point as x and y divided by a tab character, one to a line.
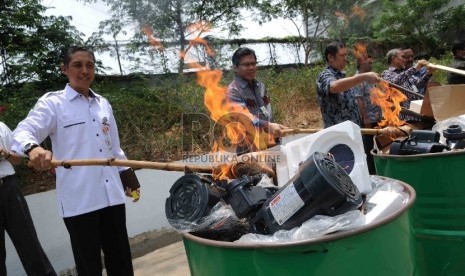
91	199
15	218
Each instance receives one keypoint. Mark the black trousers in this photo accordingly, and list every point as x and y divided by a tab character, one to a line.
16	220
368	145
101	230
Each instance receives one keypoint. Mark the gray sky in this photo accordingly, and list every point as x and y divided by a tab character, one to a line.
86	18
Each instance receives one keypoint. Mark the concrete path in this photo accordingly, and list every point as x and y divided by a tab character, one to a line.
170	260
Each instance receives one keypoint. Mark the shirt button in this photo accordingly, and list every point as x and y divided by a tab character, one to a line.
106	180
100	150
93	120
97	134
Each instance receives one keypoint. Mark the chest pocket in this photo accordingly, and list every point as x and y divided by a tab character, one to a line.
74	131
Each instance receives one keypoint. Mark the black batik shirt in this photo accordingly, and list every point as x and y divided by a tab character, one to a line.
336	107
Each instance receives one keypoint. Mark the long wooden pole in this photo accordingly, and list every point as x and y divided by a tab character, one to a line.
176	166
290	131
395	131
234	166
447	68
135	164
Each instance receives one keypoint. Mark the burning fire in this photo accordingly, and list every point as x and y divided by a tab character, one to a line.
235	119
196	30
389	100
384	96
360	50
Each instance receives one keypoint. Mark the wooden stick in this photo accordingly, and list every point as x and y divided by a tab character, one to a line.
134	164
290	131
398	131
447	68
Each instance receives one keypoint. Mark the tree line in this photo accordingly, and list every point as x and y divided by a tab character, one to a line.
31	43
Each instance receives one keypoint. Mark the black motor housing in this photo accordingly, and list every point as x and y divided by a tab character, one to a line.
191	198
321	187
455	137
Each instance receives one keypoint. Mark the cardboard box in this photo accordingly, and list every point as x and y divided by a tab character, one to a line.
422	107
447	101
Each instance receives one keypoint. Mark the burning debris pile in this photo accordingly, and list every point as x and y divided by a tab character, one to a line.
445	135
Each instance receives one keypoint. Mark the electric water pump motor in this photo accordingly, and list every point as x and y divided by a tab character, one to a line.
320	187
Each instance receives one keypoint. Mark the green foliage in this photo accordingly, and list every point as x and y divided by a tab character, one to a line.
427	24
440	76
292	92
16	100
148	109
30	43
318	19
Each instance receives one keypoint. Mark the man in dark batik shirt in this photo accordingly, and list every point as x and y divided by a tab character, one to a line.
336	92
246	91
398	74
420	75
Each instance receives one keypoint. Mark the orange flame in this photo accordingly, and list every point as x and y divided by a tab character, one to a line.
389	100
197	29
384	96
235	118
360	50
152	40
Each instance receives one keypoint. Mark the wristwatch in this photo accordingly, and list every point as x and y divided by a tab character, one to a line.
27	149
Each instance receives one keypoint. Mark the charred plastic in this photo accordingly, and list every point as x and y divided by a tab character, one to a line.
320	187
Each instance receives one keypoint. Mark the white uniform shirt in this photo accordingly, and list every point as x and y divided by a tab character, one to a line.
79	129
5	137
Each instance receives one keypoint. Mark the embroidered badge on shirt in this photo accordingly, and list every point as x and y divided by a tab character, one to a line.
106	131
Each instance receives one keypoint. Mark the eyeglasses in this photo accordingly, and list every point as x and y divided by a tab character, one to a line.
249	64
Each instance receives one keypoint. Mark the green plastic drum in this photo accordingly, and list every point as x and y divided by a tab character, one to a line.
384	247
438	215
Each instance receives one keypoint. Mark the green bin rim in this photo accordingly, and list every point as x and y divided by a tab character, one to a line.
416	156
326	238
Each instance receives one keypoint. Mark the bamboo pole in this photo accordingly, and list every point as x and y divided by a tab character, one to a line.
135	164
447	68
233	168
395	131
